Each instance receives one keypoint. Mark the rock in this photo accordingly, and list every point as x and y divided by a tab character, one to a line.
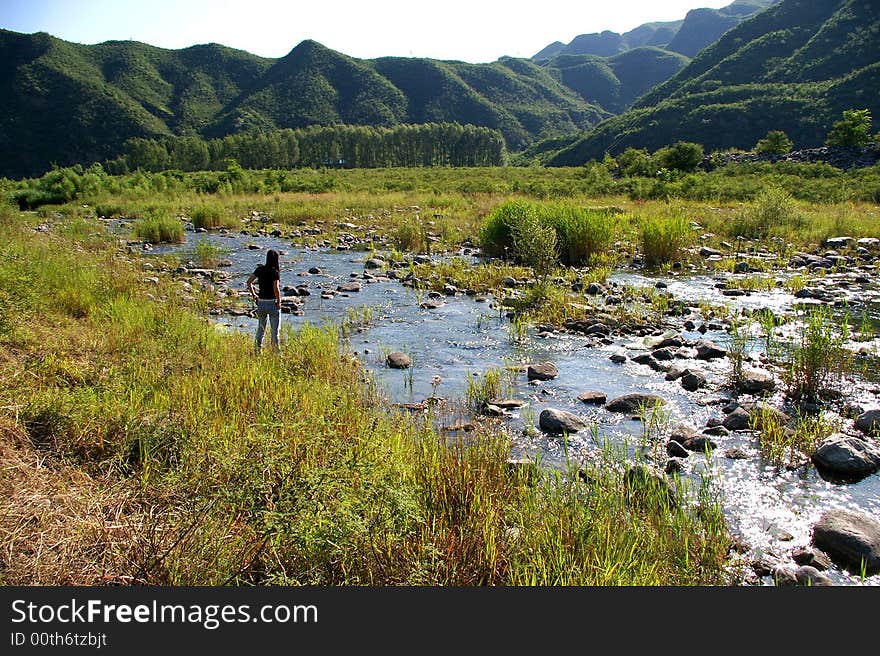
737	420
593	398
375	263
629	403
508	281
673	466
811	557
676	450
692	381
735	454
399	360
784	576
705	251
707	350
431	304
851	539
314	270
838	242
542	371
559	421
645	482
810	576
741	267
675	372
349	287
847	456
716	431
617	358
755	381
868	422
665	353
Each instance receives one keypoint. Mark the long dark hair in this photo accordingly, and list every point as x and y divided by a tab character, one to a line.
272	260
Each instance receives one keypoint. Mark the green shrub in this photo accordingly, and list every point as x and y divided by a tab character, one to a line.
211	217
775	143
496	233
663	238
581	233
680	156
854	129
773	207
158	226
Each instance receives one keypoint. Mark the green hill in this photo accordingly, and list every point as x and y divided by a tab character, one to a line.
794	67
614	83
64	103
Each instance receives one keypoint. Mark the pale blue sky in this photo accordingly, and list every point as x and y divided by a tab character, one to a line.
467	30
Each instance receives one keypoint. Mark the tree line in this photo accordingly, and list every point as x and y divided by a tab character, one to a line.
337	146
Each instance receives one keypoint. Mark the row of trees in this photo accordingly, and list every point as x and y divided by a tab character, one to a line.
342	146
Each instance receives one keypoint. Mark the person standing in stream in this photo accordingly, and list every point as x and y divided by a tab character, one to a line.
268	278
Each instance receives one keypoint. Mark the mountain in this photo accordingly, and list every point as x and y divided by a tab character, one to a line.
794	67
614	83
700	28
64	103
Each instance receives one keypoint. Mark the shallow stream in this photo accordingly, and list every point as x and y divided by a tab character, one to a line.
770	509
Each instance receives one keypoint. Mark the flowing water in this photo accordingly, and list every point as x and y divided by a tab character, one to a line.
770	509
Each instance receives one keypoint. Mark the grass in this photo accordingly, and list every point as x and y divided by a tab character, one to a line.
158	227
193	462
663	238
212	217
817	361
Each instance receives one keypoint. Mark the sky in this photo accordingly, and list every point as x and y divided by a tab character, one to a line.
467	30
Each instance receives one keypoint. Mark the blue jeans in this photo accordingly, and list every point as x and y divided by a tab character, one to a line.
267	309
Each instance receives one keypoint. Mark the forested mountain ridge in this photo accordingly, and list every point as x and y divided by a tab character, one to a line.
64	103
794	67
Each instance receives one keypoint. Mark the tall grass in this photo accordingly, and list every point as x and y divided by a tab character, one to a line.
157	227
818	361
211	216
663	238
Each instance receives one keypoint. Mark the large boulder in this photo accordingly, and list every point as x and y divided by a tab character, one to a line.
629	403
847	456
557	422
542	371
868	422
851	539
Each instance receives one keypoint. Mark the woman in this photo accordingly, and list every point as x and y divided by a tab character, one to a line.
268	277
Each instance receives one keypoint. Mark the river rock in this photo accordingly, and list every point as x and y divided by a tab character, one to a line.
349	287
847	456
399	360
810	576
868	422
755	381
617	358
556	421
692	381
811	557
629	403
707	350
542	371
375	263
675	450
737	420
850	539
593	398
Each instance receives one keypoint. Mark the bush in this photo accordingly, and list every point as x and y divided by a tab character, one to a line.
681	156
775	143
854	129
496	234
772	207
581	233
663	238
211	217
158	226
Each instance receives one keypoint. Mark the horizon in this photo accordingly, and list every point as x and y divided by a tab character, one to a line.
246	28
